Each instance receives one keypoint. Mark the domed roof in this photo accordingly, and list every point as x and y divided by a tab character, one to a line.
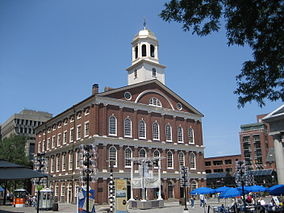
144	34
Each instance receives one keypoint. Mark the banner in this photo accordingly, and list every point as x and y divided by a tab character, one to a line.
136	183
120	196
153	182
82	204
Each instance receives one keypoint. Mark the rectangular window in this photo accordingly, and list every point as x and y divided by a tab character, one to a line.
52	164
59	139
57	164
63	162
228	161
48	144
71	135
43	146
53	141
63	189
70	163
77	159
86	129
207	163
65	137
217	162
79	132
56	190
180	135
38	147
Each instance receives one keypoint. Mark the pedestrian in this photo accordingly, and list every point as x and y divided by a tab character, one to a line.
192	201
201	197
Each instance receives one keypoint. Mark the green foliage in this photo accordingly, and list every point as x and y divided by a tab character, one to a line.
12	149
256	23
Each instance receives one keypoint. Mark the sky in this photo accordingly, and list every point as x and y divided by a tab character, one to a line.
52	52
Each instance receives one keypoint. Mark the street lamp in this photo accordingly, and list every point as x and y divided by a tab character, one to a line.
111	187
39	165
243	177
184	182
88	167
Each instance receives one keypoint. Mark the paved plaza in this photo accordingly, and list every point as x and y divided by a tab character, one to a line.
170	207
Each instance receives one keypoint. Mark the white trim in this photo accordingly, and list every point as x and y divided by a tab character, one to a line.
86	135
58	139
130	127
145	126
64	138
193	142
171	133
158	138
114	166
71	135
77	132
112	134
131	154
171	160
70	160
182	136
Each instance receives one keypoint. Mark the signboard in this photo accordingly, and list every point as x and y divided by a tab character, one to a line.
82	201
120	196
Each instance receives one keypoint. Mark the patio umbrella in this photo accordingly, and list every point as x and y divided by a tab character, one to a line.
276	189
233	192
1	189
222	189
256	188
202	190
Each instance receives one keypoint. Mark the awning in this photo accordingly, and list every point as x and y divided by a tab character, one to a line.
11	171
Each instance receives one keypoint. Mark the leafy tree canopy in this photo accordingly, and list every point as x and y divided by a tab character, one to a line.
257	23
12	149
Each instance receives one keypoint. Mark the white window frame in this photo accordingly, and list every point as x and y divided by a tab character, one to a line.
168	160
56	190
109	156
189	136
139	129
65	122
48	144
53	141
87	111
58	139
57	163
51	165
190	157
43	146
86	134
125	157
70	160
125	128
144	151
71	136
38	147
171	135
155	102
79	115
63	161
157	151
72	119
77	163
181	160
79	127
110	131
156	133
180	137
64	138
62	190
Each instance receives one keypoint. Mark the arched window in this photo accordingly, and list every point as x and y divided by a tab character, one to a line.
127	127
142	153
112	125
180	134
142	129
136	52
154	72
155	131
190	136
156	154
168	133
181	159
170	160
155	102
152	50
127	156
192	162
143	50
112	157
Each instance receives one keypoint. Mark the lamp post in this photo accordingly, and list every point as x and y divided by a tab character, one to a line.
111	187
242	178
88	167
184	182
39	165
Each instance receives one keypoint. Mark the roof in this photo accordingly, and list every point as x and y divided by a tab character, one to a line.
11	171
275	115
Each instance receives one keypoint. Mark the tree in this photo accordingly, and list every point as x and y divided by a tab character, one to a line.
256	23
12	149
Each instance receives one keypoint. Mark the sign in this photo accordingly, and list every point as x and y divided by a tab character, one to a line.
120	196
82	200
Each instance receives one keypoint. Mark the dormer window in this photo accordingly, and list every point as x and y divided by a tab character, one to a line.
152	51
154	72
155	102
143	50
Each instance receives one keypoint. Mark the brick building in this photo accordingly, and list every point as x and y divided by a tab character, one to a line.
257	148
144	118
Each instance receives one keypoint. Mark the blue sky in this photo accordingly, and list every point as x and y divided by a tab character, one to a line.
51	52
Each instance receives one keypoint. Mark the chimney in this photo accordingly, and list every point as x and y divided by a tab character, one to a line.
95	89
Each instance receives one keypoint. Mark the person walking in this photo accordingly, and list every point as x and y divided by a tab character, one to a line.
192	201
201	197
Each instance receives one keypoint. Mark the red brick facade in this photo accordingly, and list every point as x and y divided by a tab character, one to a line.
93	115
221	164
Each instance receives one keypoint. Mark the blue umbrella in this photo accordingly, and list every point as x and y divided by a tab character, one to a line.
202	190
233	192
1	189
256	188
222	189
276	189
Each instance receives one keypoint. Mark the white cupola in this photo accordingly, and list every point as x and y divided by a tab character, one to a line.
145	62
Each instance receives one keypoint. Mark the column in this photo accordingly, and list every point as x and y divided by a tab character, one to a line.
131	178
279	158
159	176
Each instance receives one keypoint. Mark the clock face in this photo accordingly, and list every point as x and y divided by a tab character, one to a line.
127	95
179	106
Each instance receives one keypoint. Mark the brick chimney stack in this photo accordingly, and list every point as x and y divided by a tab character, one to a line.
95	89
